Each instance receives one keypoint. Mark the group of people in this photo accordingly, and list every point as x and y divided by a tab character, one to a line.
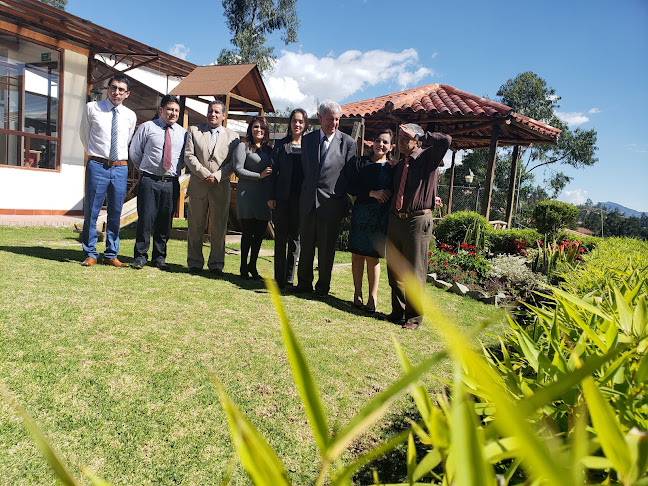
302	184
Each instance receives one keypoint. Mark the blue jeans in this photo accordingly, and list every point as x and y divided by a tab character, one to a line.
103	181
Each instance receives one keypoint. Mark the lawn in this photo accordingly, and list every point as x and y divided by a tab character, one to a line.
114	363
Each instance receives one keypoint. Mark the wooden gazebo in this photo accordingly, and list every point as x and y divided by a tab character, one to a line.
472	121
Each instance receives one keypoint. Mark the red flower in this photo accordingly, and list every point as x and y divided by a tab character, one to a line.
445	263
472	272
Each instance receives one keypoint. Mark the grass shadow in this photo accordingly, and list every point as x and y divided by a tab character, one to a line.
47	253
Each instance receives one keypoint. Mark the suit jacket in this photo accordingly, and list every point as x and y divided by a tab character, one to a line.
201	162
326	188
282	171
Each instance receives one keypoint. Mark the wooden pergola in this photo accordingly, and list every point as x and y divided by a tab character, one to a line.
472	121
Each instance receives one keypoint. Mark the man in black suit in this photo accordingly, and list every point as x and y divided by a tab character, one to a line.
326	153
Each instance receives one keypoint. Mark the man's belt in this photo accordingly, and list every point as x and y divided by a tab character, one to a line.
162	178
112	163
412	214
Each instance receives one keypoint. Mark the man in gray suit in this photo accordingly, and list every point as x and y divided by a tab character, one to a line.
208	155
326	154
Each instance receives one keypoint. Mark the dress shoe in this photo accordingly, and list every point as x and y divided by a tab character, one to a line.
244	273
301	289
114	262
216	271
320	294
162	265
195	270
89	262
411	325
138	263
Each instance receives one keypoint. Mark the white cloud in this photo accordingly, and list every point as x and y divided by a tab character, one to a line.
633	147
593	111
179	50
573	118
303	79
576	197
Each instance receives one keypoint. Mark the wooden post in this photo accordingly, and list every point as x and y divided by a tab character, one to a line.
490	172
510	200
452	173
227	103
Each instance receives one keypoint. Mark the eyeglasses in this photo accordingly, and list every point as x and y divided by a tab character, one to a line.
119	90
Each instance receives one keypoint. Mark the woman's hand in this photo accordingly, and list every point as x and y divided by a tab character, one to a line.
272	204
265	173
381	195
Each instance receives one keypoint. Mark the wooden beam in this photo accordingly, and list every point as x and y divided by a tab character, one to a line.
477	126
490	173
510	199
245	100
227	104
452	174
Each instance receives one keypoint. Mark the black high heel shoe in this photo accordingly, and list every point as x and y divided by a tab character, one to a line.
255	275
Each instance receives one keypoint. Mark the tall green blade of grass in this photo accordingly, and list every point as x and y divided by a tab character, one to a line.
60	470
258	459
303	377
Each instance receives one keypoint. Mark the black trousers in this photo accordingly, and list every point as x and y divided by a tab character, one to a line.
410	237
156	205
251	239
286	249
322	233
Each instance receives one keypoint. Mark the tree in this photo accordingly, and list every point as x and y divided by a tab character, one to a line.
528	94
250	21
60	4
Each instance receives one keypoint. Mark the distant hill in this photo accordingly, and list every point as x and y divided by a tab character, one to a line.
627	212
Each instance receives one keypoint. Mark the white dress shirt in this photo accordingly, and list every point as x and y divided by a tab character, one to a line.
96	127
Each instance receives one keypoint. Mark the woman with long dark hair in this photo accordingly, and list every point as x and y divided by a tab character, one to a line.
252	167
371	183
287	177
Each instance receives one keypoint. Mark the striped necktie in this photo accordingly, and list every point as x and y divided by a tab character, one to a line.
166	154
114	136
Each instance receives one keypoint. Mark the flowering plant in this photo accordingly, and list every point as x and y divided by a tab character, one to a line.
464	264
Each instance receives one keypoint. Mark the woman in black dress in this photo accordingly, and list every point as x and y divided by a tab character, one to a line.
252	167
287	177
371	183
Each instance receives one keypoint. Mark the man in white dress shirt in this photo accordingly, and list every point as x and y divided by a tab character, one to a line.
106	129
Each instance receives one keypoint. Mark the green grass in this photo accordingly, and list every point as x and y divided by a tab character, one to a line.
114	363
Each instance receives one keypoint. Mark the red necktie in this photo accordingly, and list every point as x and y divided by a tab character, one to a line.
166	154
401	187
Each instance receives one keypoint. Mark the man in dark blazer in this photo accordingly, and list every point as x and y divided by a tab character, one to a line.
209	156
326	154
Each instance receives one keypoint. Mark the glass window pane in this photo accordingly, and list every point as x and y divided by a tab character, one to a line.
11	149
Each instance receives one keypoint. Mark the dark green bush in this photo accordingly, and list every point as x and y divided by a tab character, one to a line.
463	227
549	217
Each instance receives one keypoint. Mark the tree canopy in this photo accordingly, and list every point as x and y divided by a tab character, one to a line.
251	21
60	4
528	94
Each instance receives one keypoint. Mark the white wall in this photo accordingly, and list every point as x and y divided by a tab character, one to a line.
49	190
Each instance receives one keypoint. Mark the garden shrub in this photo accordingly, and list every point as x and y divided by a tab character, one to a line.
514	270
549	217
464	265
462	227
512	241
587	242
610	261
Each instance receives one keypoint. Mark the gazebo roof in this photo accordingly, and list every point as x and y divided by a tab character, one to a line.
243	80
467	117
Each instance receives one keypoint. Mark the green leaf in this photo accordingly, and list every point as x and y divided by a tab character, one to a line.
48	452
411	458
581	303
607	427
345	475
638	443
641	376
471	466
431	460
623	310
257	457
640	318
585	327
303	377
375	409
96	480
418	392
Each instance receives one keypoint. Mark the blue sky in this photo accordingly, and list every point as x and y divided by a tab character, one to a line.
594	54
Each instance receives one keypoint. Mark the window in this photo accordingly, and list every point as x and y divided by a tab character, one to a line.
29	103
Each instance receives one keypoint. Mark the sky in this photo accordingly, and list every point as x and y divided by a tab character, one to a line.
594	55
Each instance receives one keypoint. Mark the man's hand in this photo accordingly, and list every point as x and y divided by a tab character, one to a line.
272	204
210	180
381	195
406	131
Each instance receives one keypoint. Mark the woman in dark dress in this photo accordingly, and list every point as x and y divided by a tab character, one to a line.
371	183
252	167
287	177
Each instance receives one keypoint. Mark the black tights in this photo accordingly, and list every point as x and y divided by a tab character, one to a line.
251	238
